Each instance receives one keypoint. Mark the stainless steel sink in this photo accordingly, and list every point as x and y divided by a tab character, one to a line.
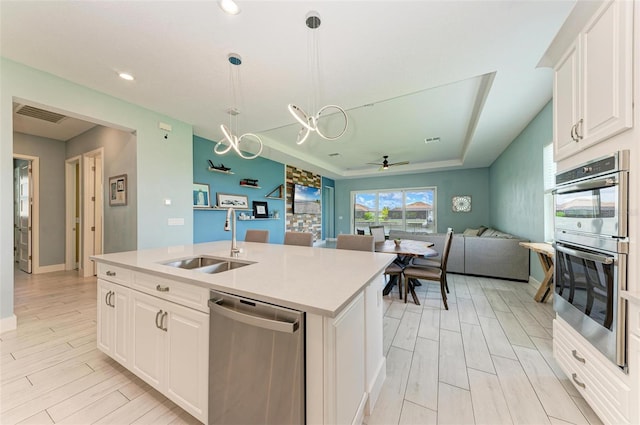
207	264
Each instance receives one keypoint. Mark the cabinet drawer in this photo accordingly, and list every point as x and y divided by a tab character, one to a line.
178	292
603	389
115	274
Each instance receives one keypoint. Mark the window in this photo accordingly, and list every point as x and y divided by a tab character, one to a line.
411	210
549	172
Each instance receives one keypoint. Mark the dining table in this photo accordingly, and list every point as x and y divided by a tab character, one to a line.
405	249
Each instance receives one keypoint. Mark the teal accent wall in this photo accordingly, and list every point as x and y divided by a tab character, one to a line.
474	182
516	184
164	166
209	224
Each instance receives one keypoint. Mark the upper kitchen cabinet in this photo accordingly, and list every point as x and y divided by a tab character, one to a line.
592	58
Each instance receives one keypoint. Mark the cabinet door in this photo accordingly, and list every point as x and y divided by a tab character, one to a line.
188	360
607	73
148	339
566	104
121	324
634	372
104	318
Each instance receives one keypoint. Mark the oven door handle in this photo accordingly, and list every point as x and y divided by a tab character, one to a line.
585	255
588	185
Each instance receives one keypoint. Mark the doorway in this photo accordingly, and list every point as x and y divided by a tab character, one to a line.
72	213
22	213
25	221
328	213
91	215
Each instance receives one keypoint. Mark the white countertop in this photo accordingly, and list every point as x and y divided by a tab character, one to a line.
315	280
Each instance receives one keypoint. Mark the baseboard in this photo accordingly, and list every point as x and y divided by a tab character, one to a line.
49	269
534	282
376	386
8	323
359	416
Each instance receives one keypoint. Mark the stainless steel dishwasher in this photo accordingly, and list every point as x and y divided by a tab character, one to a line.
256	362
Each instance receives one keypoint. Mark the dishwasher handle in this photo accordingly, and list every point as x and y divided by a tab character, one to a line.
248	319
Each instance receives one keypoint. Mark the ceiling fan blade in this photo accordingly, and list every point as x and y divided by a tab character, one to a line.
373	163
399	163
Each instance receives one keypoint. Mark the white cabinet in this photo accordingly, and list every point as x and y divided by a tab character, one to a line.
170	350
113	321
602	384
593	96
634	358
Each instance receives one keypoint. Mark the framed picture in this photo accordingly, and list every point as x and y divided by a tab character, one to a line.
226	200
201	195
461	203
260	209
118	190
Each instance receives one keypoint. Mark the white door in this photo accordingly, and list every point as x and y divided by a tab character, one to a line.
24	219
92	211
16	212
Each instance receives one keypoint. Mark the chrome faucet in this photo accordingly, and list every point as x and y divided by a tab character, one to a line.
230	224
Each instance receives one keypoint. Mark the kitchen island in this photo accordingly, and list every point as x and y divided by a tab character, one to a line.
153	318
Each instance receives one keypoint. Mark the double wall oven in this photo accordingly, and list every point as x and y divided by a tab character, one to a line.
591	246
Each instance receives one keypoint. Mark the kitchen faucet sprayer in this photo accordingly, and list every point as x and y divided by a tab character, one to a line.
230	224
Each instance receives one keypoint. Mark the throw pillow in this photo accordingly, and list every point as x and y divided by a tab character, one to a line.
470	232
481	230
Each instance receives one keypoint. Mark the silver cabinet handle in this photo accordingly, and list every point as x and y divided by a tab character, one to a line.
162	288
574	376
110	273
579	126
216	306
163	326
573	132
106	298
159	326
577	357
111	303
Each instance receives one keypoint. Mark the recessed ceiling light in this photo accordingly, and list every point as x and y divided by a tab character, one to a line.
126	76
229	6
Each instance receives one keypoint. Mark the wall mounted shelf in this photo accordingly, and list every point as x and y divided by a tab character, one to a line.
221	209
277	193
220	171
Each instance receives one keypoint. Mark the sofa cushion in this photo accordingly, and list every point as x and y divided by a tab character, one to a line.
470	232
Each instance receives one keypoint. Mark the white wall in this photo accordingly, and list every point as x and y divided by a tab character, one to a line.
164	166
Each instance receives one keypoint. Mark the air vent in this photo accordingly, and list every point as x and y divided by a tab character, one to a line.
40	114
334	154
429	140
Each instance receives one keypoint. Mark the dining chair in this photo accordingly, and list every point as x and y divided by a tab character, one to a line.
378	233
298	238
436	261
395	270
253	235
355	242
437	274
359	231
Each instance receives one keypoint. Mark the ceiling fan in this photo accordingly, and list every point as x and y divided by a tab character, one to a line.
386	164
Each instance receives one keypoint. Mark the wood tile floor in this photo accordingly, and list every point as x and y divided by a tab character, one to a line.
487	360
52	372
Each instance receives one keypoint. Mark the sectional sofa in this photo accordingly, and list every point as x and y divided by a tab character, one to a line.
481	252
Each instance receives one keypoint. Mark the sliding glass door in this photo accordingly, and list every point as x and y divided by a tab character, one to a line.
411	210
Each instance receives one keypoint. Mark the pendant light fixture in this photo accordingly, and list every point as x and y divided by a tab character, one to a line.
230	140
311	123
